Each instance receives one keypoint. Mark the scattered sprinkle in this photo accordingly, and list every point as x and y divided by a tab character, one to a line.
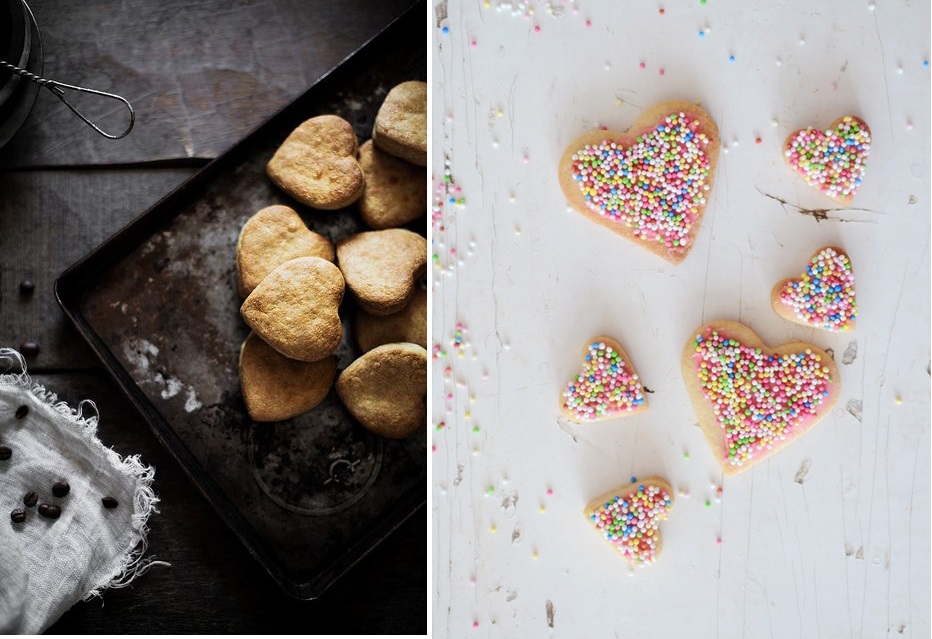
641	65
536	28
543	508
661	11
685	455
444	30
757	140
492	528
490	490
708	503
660	71
549	492
731	58
898	400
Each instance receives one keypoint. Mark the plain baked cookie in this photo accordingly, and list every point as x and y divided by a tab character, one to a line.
752	400
407	325
823	296
401	123
606	387
629	518
316	164
295	309
650	184
276	387
270	238
396	190
382	267
385	389
832	160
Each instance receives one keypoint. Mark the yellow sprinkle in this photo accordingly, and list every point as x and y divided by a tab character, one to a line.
492	528
898	399
535	555
542	508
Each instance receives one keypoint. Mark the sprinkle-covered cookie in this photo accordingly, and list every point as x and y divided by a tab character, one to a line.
629	518
606	387
751	400
650	184
823	296
832	160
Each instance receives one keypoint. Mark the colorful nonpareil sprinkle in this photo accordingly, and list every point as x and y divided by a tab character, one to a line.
655	186
832	160
631	522
824	296
759	399
607	386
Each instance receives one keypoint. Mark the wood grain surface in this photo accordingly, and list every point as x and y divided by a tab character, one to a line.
201	75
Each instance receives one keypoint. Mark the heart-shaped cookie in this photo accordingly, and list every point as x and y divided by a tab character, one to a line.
401	123
650	184
407	325
832	160
385	389
295	309
607	387
752	400
270	238
823	296
382	267
629	518
396	190
276	387
316	164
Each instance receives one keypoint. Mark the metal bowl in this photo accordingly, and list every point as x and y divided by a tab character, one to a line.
15	44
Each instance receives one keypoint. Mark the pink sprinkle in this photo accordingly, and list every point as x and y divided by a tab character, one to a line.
525	159
642	65
588	23
536	28
433	449
549	491
832	86
452	251
473	44
909	126
475	624
719	541
660	71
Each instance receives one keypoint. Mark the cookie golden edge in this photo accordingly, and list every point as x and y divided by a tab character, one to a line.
714	434
645	122
787	144
627	489
570	416
787	313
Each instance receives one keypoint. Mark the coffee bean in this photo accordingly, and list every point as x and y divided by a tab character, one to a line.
109	502
29	347
26	287
61	488
5	453
22	411
18	516
49	510
30	499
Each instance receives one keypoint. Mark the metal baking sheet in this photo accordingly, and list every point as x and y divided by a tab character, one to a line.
158	304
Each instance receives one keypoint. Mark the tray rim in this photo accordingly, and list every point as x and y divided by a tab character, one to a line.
69	295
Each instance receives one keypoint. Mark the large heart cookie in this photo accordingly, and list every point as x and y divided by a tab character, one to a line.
629	518
270	238
607	387
276	387
385	389
832	160
382	267
295	309
751	400
823	296
650	184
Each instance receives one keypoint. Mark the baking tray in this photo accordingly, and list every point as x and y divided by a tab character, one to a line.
157	303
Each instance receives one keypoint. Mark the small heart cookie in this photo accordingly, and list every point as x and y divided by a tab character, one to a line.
396	190
407	325
607	387
295	309
270	238
382	267
275	387
385	389
316	164
823	296
650	184
752	400
629	518
832	160
401	123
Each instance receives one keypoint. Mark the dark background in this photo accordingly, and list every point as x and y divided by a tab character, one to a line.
201	75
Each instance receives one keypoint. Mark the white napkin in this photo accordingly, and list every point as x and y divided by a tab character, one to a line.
48	565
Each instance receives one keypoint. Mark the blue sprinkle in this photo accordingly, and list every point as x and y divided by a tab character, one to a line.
731	58
445	30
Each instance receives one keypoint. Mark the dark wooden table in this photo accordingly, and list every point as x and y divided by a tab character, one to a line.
201	75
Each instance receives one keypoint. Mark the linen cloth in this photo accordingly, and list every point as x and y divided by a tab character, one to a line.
48	565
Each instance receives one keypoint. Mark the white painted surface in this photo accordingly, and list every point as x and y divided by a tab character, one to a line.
844	552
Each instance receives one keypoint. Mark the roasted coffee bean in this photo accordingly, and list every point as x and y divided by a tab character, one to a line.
61	488
22	411
49	510
26	287
109	502
18	516
30	499
29	347
5	453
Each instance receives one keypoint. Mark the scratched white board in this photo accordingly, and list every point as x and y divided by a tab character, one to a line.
829	538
